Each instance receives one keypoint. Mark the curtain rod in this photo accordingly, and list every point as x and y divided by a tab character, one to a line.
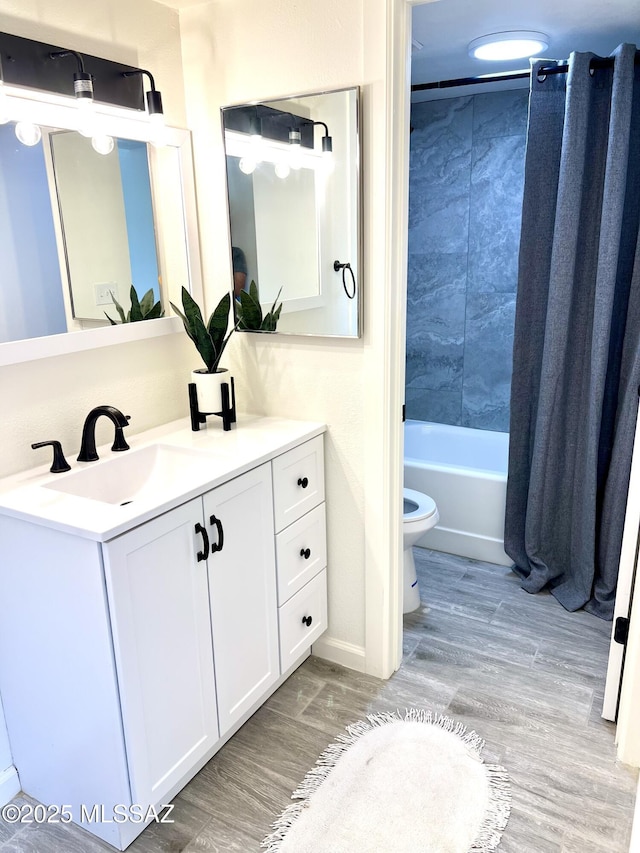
515	75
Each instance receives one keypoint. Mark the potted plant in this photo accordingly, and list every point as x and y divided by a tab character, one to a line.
141	309
210	340
250	317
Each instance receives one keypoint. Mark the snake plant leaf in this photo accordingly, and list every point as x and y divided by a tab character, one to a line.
119	307
113	322
155	312
185	322
135	314
218	323
253	291
250	312
205	345
146	303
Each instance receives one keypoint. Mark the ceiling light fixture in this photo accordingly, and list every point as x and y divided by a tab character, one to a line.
508	45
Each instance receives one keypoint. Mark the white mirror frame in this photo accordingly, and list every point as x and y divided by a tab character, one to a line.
62	112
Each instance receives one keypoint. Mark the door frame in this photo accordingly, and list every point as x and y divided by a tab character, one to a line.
384	593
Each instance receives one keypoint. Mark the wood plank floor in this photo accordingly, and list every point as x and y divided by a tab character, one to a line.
517	668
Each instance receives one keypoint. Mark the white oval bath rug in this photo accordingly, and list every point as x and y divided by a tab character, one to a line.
408	782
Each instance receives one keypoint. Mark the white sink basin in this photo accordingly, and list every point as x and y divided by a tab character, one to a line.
134	475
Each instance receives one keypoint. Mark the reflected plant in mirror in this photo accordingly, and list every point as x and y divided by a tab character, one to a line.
141	309
293	202
249	312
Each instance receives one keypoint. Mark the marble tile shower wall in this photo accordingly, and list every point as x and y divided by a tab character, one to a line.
465	198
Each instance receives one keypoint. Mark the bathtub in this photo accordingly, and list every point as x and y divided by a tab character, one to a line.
465	472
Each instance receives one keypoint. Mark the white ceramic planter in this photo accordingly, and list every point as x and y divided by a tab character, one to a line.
208	389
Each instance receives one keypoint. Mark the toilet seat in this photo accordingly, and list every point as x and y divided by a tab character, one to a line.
417	506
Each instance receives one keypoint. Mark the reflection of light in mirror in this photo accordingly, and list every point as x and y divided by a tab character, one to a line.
247	165
239	145
282	169
28	133
103	144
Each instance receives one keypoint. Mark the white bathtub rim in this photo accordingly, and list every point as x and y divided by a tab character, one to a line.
477	473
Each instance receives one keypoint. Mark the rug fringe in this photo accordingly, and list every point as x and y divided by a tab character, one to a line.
499	807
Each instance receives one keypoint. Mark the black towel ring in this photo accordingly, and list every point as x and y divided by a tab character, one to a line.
337	266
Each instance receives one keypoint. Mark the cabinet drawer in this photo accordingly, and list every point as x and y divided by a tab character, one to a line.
301	551
298	481
296	635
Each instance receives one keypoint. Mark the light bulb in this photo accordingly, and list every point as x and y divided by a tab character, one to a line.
4	106
295	156
328	163
282	169
102	143
247	165
86	118
28	133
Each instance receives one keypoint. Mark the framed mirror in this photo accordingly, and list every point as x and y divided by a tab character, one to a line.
293	190
77	226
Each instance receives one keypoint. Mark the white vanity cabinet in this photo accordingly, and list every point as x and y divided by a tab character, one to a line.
207	565
125	664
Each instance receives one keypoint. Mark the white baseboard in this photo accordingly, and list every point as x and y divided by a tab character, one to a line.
466	545
337	651
9	785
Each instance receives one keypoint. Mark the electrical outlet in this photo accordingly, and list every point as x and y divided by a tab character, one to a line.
104	291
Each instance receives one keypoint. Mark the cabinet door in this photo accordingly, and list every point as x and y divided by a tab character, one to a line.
242	588
161	628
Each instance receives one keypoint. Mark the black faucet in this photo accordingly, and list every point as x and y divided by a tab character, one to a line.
88	447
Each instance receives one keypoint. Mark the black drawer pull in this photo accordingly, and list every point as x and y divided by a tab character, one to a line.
307	620
217	546
303	481
305	552
202	555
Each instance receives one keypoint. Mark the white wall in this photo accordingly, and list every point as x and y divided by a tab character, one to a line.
147	380
246	50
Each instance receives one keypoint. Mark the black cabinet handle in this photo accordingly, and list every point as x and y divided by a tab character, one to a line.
217	546
302	481
307	620
202	555
305	552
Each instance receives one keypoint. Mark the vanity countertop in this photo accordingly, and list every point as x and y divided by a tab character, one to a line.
216	456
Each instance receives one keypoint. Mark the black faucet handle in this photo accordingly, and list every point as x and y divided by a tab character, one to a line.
60	464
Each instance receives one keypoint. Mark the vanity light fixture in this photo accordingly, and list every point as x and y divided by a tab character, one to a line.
154	106
509	45
295	149
83	91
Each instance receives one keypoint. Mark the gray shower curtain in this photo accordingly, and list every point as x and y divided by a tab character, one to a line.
576	368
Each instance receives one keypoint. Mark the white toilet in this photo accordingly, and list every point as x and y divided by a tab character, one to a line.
420	514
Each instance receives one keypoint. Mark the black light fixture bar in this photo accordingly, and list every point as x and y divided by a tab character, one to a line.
29	63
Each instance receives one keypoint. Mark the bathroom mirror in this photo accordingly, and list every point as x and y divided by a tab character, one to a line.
106	214
76	225
293	189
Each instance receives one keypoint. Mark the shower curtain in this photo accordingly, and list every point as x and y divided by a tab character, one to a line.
576	370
